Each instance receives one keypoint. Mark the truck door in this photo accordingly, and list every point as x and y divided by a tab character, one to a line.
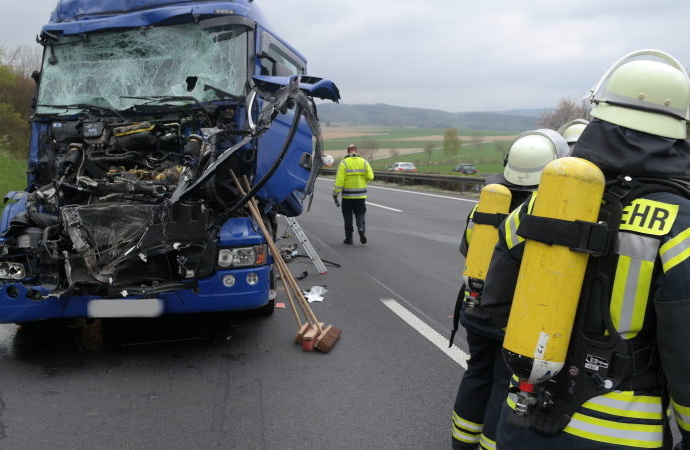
286	187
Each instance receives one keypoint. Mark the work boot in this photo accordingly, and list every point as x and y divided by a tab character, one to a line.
348	240
362	237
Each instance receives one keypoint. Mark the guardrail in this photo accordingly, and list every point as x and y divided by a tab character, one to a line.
456	183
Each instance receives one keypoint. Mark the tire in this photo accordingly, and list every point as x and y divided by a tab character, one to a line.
268	309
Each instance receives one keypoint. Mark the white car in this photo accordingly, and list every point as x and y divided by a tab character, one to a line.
403	167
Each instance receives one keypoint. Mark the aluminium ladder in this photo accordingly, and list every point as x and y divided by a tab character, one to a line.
299	233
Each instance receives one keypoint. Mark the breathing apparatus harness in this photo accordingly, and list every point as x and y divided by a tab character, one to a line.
599	359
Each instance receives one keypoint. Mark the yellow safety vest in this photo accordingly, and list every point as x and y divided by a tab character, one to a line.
352	176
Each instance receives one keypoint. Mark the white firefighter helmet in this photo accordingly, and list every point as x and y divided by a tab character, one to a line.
328	160
530	152
572	130
647	90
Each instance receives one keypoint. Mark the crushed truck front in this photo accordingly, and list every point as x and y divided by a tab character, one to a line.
145	110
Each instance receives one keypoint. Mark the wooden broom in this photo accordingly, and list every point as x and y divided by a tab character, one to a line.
312	334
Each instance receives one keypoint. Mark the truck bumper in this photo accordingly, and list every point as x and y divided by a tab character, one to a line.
211	295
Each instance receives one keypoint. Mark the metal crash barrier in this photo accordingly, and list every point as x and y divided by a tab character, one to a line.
455	183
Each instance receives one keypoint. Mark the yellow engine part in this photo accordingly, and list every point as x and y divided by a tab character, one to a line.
494	198
550	278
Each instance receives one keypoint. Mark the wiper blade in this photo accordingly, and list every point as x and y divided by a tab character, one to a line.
89	106
163	99
222	93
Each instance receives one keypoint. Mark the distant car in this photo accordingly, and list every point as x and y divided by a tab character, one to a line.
403	167
467	169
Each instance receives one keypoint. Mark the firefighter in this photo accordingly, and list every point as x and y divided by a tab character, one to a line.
629	332
484	385
572	130
351	179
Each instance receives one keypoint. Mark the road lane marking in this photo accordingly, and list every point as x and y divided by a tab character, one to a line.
436	338
384	207
424	193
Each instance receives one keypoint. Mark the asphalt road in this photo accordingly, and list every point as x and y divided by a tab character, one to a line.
238	381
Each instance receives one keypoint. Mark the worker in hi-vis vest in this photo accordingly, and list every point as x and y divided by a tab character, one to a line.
352	176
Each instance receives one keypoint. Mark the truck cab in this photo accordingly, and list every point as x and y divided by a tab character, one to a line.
147	115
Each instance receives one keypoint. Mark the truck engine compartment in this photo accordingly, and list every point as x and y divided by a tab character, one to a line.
100	211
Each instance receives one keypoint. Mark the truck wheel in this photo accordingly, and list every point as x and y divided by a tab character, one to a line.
87	333
269	307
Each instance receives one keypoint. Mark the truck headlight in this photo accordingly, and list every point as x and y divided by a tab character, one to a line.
242	256
12	271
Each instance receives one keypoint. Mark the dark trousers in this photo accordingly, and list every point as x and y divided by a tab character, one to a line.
356	207
482	392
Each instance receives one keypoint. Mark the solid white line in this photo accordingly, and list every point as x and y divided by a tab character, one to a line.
384	207
423	193
425	330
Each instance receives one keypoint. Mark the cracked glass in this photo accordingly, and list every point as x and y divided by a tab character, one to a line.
103	68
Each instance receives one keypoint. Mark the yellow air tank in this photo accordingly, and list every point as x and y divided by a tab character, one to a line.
494	198
550	279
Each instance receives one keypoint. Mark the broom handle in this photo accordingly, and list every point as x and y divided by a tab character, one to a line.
306	309
277	257
285	275
289	295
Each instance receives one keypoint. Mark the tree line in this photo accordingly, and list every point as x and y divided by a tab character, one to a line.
16	93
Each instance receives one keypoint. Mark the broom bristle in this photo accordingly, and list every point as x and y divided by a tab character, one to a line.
328	338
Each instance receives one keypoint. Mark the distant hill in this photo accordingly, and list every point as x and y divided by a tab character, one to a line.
383	115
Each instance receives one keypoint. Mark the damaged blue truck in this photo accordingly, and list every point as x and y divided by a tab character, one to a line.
146	112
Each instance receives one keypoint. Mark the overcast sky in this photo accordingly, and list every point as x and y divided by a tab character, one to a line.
453	55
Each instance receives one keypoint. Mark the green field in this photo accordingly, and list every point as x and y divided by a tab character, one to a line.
487	155
391	137
12	175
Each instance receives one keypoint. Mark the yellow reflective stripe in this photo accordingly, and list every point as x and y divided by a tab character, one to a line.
630	434
465	430
682	414
511	225
468	232
632	282
511	400
649	217
676	250
630	295
466	424
467	438
486	443
627	404
470	225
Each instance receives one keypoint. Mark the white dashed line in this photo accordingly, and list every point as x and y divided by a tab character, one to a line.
436	338
425	193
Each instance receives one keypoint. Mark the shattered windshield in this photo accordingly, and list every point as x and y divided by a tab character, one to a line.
104	68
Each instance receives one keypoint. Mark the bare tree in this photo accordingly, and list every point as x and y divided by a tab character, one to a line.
367	149
566	111
429	150
23	60
451	143
16	91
